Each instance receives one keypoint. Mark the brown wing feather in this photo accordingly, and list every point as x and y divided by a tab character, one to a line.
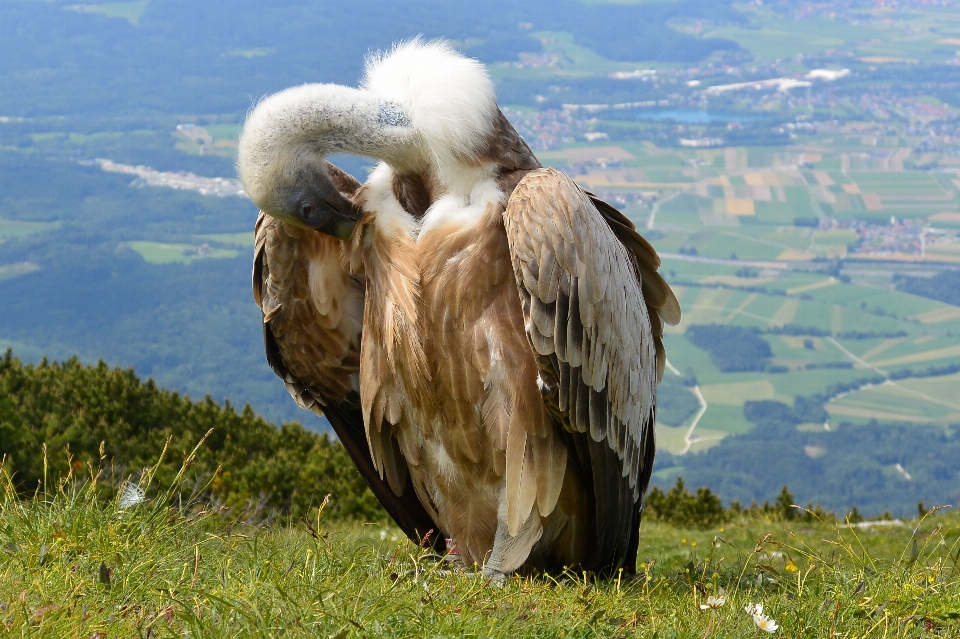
312	318
582	275
661	302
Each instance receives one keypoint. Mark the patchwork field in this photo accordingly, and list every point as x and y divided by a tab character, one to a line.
882	37
791	205
735	250
921	401
812	364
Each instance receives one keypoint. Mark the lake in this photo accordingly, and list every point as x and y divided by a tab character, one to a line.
693	116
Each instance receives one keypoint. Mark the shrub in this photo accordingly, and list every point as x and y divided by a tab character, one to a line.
679	507
92	414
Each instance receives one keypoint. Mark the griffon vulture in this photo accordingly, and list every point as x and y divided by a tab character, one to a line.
483	335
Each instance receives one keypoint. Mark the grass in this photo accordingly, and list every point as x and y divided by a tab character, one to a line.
78	564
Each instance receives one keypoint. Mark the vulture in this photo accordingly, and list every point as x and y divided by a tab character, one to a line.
484	336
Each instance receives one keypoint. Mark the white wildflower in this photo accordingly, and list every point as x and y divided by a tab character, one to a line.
765	623
131	496
754	609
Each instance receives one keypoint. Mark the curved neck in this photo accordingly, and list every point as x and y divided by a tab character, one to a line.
325	119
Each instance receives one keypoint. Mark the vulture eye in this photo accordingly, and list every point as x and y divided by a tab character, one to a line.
306	209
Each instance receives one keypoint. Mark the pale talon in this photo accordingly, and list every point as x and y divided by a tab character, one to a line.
495	577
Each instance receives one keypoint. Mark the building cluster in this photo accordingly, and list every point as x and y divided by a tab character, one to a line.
180	180
819	101
899	237
851	11
550	128
548	60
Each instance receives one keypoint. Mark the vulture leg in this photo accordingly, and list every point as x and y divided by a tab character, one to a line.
510	552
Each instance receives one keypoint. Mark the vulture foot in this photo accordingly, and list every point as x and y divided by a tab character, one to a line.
495	577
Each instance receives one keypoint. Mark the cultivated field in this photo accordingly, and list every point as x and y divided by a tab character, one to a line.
748	237
163	253
16	228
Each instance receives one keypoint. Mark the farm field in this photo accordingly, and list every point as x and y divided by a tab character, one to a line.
814	362
907	37
163	253
751	188
807	238
246	240
926	400
17	228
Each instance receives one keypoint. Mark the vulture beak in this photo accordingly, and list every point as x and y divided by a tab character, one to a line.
330	213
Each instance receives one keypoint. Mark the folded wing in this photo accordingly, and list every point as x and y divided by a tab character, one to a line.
594	307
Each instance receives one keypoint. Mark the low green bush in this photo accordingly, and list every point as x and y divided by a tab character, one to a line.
63	418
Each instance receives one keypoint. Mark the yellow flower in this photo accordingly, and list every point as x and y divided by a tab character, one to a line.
693	543
791	567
